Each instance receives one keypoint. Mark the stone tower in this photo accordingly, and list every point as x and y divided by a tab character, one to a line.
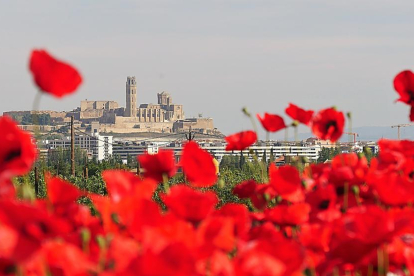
164	98
131	97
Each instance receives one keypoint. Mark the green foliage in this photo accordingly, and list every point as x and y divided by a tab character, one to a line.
64	129
272	156
264	158
328	154
52	136
233	161
132	161
59	161
37	119
369	154
59	165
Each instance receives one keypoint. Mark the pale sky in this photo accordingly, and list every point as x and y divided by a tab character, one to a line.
216	56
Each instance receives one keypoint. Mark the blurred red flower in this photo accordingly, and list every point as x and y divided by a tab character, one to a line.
299	114
122	184
157	165
189	204
241	140
271	122
287	183
286	215
198	166
66	259
353	241
53	76
404	85
245	189
60	191
17	152
239	214
216	233
328	124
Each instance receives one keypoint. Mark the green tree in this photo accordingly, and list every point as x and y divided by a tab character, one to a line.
271	157
328	154
242	160
264	157
27	119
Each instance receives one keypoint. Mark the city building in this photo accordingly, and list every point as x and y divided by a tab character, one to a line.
97	146
217	150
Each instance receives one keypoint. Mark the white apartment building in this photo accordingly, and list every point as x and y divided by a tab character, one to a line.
123	149
97	146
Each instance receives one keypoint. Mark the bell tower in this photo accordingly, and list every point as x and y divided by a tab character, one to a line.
131	97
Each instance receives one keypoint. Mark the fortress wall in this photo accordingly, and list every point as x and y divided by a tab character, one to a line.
85	105
137	128
53	114
205	124
97	113
108	118
57	114
92	105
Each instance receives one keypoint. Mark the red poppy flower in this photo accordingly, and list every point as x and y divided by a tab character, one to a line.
66	259
299	114
348	168
285	215
239	214
60	191
187	203
267	239
316	236
328	124
241	140
254	261
176	259
218	263
271	122
392	151
122	184
157	165
258	194
7	189
287	183
216	233
393	187
412	114
262	196
353	238
33	224
53	76
404	85
198	166
323	201
245	189
17	152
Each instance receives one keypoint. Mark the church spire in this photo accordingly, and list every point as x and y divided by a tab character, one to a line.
131	97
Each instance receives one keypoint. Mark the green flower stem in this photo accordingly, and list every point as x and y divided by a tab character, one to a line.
286	134
346	195
165	183
36	104
248	114
295	128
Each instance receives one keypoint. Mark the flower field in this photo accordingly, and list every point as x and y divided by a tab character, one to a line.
347	217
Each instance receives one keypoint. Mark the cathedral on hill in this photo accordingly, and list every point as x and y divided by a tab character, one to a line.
165	116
